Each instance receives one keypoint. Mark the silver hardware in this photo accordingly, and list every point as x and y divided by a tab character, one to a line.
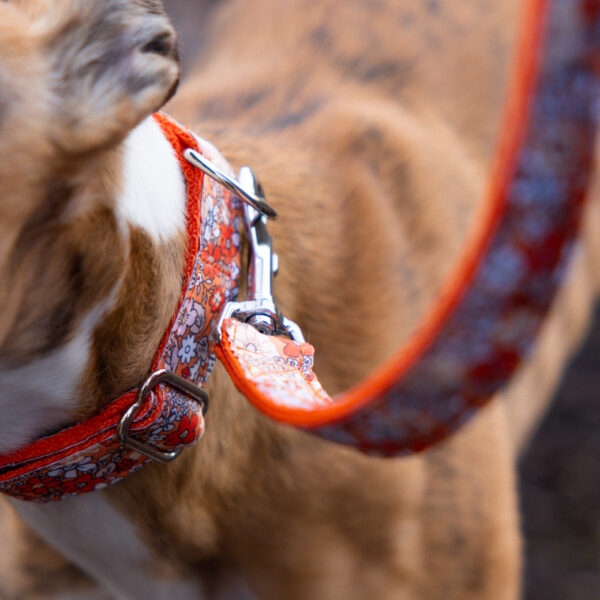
179	383
259	310
251	197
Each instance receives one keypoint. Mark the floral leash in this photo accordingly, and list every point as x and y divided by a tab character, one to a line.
483	325
485	321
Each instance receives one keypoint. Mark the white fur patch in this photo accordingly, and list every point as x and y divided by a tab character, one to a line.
90	532
154	190
40	396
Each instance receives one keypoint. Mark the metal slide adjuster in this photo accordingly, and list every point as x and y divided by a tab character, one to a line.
179	383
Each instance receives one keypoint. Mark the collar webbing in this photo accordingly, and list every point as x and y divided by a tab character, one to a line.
89	456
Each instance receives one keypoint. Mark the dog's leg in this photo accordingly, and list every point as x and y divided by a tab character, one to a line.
32	570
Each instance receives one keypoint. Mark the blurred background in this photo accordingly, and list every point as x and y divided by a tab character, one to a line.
560	472
560	486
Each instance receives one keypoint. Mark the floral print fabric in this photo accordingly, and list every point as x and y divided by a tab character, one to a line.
89	456
277	368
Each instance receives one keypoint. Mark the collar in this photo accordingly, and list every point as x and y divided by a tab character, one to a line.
483	324
167	413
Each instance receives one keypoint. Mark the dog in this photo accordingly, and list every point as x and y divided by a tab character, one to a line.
376	183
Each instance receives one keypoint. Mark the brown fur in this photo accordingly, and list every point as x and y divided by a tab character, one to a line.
373	142
61	249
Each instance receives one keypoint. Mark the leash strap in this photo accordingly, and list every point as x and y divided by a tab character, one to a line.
486	319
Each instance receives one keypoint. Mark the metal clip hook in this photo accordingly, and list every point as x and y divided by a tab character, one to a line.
259	310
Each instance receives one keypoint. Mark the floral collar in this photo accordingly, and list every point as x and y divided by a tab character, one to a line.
167	413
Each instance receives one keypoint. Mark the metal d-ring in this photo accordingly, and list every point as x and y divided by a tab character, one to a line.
196	159
179	383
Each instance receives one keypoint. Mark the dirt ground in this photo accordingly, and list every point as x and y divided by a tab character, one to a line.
560	482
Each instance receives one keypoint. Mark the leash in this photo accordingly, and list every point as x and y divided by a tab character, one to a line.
483	324
485	321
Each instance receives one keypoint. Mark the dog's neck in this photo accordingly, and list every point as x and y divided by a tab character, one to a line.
149	203
151	197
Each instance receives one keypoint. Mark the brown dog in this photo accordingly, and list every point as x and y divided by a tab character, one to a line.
372	126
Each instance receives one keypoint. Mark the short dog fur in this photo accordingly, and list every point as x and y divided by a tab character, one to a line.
371	125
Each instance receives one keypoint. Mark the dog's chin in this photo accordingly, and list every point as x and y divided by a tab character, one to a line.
173	89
